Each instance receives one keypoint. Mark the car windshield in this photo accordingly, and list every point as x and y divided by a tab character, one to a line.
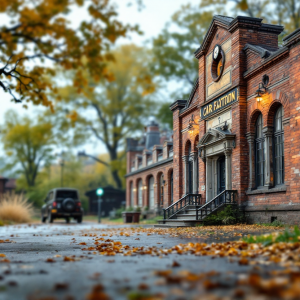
66	194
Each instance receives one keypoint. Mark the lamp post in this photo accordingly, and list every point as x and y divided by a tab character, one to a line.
99	193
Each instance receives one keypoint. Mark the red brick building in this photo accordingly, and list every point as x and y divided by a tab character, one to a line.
150	169
238	131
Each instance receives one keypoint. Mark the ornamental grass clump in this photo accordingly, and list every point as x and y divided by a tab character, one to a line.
15	208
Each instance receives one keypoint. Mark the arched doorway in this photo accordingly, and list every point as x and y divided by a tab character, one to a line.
151	192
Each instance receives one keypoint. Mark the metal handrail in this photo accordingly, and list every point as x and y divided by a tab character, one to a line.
225	197
188	199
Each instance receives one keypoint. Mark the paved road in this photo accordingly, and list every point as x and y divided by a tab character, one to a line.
30	276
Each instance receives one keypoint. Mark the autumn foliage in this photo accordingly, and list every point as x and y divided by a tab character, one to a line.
39	36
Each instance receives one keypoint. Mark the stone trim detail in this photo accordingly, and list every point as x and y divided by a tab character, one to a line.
267	190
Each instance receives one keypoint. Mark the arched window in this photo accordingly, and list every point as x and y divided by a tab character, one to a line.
140	193
151	192
278	144
131	195
259	153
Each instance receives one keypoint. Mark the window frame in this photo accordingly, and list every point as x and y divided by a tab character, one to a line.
278	134
261	142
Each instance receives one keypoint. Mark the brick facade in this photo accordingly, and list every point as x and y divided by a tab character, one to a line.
251	51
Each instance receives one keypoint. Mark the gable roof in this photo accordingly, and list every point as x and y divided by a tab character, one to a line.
193	92
218	134
261	51
217	20
292	37
231	24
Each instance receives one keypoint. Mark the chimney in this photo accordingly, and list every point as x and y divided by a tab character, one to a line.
152	134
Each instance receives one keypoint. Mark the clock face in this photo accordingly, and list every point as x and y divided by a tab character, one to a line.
216	52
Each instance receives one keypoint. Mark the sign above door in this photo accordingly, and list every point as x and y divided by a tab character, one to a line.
218	104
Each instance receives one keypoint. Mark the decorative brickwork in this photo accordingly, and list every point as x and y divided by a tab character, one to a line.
252	51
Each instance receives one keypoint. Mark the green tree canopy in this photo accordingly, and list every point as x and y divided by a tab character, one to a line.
28	143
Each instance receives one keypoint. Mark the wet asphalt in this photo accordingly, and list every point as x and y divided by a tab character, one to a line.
30	276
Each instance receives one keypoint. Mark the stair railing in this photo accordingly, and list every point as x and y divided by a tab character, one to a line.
225	197
188	199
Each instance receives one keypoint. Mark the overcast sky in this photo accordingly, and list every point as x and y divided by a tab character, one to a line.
151	20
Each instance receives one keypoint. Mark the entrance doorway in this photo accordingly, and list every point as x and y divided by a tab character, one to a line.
221	174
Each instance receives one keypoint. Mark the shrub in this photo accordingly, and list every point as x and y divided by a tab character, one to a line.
275	223
268	239
229	215
15	208
119	212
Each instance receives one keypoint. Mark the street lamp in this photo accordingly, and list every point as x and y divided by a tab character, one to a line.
99	193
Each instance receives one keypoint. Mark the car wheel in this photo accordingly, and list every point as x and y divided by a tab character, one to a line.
50	219
67	220
79	219
43	219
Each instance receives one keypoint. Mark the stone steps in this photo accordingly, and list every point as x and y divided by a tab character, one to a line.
179	222
186	216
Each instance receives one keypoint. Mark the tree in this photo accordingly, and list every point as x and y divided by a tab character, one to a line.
174	48
28	144
112	111
164	115
39	36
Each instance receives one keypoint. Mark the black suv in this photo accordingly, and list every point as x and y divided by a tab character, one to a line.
62	203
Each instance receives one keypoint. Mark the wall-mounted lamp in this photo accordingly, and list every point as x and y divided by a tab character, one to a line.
262	88
134	189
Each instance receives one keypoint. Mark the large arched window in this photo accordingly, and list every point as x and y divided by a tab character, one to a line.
259	153
278	144
131	195
140	193
151	192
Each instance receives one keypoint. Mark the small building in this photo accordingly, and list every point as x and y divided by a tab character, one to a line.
149	178
112	199
7	184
